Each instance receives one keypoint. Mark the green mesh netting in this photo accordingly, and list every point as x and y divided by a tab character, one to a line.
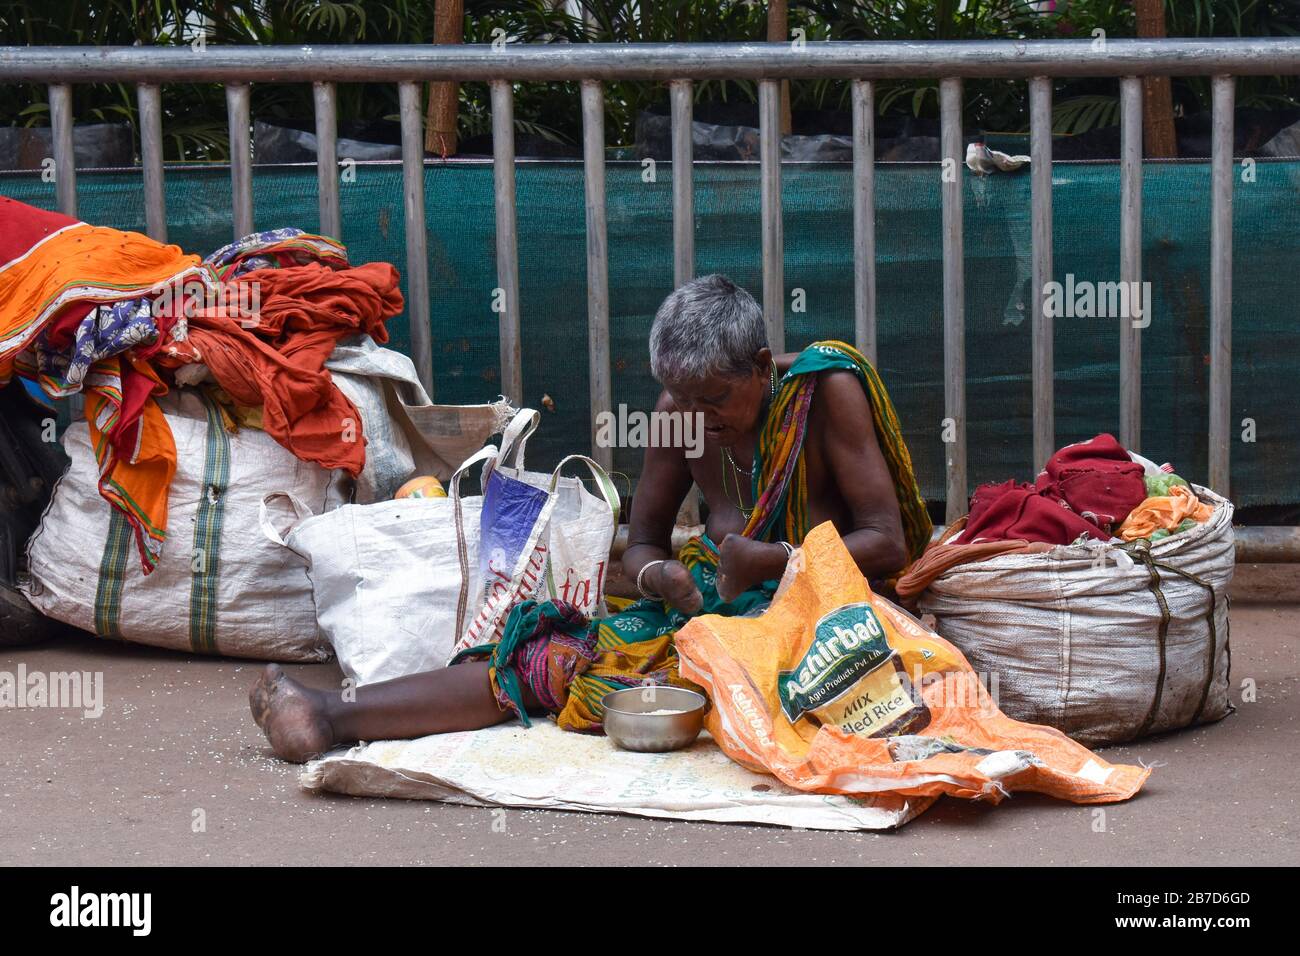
819	260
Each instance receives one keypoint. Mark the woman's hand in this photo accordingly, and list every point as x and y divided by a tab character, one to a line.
672	580
744	562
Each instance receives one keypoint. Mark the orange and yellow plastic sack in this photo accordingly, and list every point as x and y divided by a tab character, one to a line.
835	689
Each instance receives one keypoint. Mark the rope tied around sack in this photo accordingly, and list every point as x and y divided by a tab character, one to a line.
1141	553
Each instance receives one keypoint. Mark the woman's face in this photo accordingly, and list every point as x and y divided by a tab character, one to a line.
729	405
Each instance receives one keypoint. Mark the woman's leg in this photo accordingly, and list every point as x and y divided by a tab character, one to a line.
302	722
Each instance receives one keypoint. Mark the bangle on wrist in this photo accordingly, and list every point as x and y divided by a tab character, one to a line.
789	549
640	579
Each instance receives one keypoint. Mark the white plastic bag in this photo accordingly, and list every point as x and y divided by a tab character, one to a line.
1073	637
542	536
392	580
219	587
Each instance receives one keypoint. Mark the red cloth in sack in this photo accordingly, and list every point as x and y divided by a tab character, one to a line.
1097	479
1087	488
1010	510
278	361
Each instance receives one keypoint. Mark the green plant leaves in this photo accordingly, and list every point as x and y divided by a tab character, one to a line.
194	114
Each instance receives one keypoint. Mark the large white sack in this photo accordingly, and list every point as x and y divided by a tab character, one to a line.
220	587
1072	635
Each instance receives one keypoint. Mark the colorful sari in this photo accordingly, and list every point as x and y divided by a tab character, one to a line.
780	475
570	664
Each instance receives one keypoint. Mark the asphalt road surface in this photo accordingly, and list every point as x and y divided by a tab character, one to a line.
176	737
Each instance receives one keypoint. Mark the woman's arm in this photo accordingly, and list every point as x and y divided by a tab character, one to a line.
665	482
857	467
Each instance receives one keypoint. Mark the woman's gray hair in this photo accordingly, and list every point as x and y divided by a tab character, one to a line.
709	326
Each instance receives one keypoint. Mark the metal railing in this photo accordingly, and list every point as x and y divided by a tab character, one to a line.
862	63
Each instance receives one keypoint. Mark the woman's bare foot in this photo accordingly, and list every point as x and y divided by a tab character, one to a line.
292	716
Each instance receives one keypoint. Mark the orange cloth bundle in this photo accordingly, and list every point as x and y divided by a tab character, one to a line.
836	690
55	270
51	265
1165	512
49	262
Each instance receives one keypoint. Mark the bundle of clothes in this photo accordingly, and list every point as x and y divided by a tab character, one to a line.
121	318
1093	490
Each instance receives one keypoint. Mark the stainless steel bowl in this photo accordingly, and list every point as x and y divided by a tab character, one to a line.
632	725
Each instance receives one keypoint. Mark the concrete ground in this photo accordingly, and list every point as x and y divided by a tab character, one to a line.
176	737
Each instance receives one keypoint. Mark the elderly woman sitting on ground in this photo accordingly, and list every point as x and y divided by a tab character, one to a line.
790	441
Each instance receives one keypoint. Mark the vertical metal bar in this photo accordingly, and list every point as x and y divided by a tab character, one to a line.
65	179
864	218
680	93
327	160
593	164
683	184
503	177
149	96
1043	333
769	155
417	262
241	158
1130	245
954	296
1221	178
65	161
